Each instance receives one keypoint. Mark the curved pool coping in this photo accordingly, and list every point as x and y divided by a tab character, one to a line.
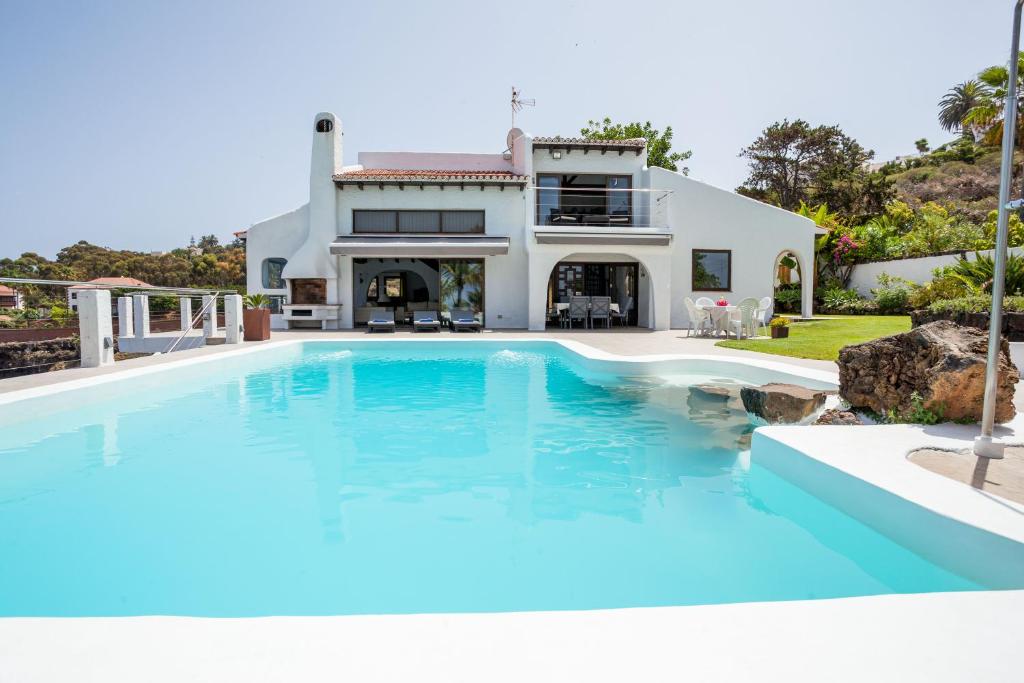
650	364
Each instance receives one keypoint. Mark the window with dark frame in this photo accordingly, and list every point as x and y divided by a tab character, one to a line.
273	271
712	270
393	286
371	290
417	221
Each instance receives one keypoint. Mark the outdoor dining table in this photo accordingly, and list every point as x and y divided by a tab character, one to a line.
719	315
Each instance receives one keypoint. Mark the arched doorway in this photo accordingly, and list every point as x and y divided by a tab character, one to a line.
787	282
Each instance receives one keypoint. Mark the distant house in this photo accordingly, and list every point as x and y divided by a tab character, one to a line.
10	298
102	283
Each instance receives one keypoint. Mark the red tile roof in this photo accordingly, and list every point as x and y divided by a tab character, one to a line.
113	282
371	175
7	291
632	143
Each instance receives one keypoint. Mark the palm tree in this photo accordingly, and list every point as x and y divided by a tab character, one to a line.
456	277
958	103
987	115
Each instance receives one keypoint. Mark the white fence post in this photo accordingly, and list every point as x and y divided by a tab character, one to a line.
141	305
185	305
210	317
95	328
232	319
125	319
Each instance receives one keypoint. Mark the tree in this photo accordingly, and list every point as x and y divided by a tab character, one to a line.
793	163
958	102
659	145
922	146
987	115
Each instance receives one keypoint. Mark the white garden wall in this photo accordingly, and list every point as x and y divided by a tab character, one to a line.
919	270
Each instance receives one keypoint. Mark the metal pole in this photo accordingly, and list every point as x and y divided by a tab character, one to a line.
985	446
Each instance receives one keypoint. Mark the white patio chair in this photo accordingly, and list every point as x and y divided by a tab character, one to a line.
765	309
622	315
705	301
743	321
699	318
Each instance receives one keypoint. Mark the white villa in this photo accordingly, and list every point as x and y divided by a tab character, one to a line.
511	235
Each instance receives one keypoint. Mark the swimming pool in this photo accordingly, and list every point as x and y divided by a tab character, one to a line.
402	477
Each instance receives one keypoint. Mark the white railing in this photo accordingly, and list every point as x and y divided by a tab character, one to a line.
601	207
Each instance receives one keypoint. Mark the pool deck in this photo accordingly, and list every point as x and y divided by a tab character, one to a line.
927	637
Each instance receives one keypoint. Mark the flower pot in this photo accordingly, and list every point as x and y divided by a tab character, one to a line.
779	332
256	322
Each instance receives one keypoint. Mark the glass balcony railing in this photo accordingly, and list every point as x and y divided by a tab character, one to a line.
602	207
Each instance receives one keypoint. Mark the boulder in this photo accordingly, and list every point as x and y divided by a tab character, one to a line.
941	361
834	416
711	392
782	403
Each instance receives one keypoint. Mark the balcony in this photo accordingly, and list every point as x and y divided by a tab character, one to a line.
588	206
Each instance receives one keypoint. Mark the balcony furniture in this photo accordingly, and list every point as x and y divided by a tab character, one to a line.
765	309
579	309
464	319
601	309
742	321
381	319
426	320
700	318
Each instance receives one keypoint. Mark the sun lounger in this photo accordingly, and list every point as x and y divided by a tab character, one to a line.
426	320
463	319
381	319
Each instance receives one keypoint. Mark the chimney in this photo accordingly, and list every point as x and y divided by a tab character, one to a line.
314	259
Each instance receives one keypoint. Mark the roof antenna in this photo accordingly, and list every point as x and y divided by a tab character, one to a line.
518	104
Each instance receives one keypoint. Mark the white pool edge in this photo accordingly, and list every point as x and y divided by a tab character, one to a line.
926	637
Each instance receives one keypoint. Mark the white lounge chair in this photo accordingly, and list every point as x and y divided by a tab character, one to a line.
464	319
381	319
426	320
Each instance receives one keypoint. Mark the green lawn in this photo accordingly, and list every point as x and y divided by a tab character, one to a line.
822	339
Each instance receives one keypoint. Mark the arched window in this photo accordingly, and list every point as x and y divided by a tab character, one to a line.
324	126
371	290
273	268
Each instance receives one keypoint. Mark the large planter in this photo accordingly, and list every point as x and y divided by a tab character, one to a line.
779	332
256	322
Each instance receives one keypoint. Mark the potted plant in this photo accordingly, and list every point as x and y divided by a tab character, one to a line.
722	302
779	328
256	317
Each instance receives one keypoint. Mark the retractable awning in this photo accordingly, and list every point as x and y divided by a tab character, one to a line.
428	247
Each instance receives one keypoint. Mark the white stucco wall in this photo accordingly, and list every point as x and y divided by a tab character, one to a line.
702	216
278	237
919	270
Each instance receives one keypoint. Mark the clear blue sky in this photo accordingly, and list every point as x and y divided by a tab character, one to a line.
135	124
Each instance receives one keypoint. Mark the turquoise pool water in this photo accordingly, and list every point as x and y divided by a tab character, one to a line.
399	477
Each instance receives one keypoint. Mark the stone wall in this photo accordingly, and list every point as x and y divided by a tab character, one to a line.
1013	323
29	358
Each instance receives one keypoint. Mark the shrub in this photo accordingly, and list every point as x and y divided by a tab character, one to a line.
835	298
980	272
788	298
945	284
975	303
892	294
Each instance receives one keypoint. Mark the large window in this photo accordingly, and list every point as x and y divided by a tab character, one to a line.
273	268
712	270
417	221
584	199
